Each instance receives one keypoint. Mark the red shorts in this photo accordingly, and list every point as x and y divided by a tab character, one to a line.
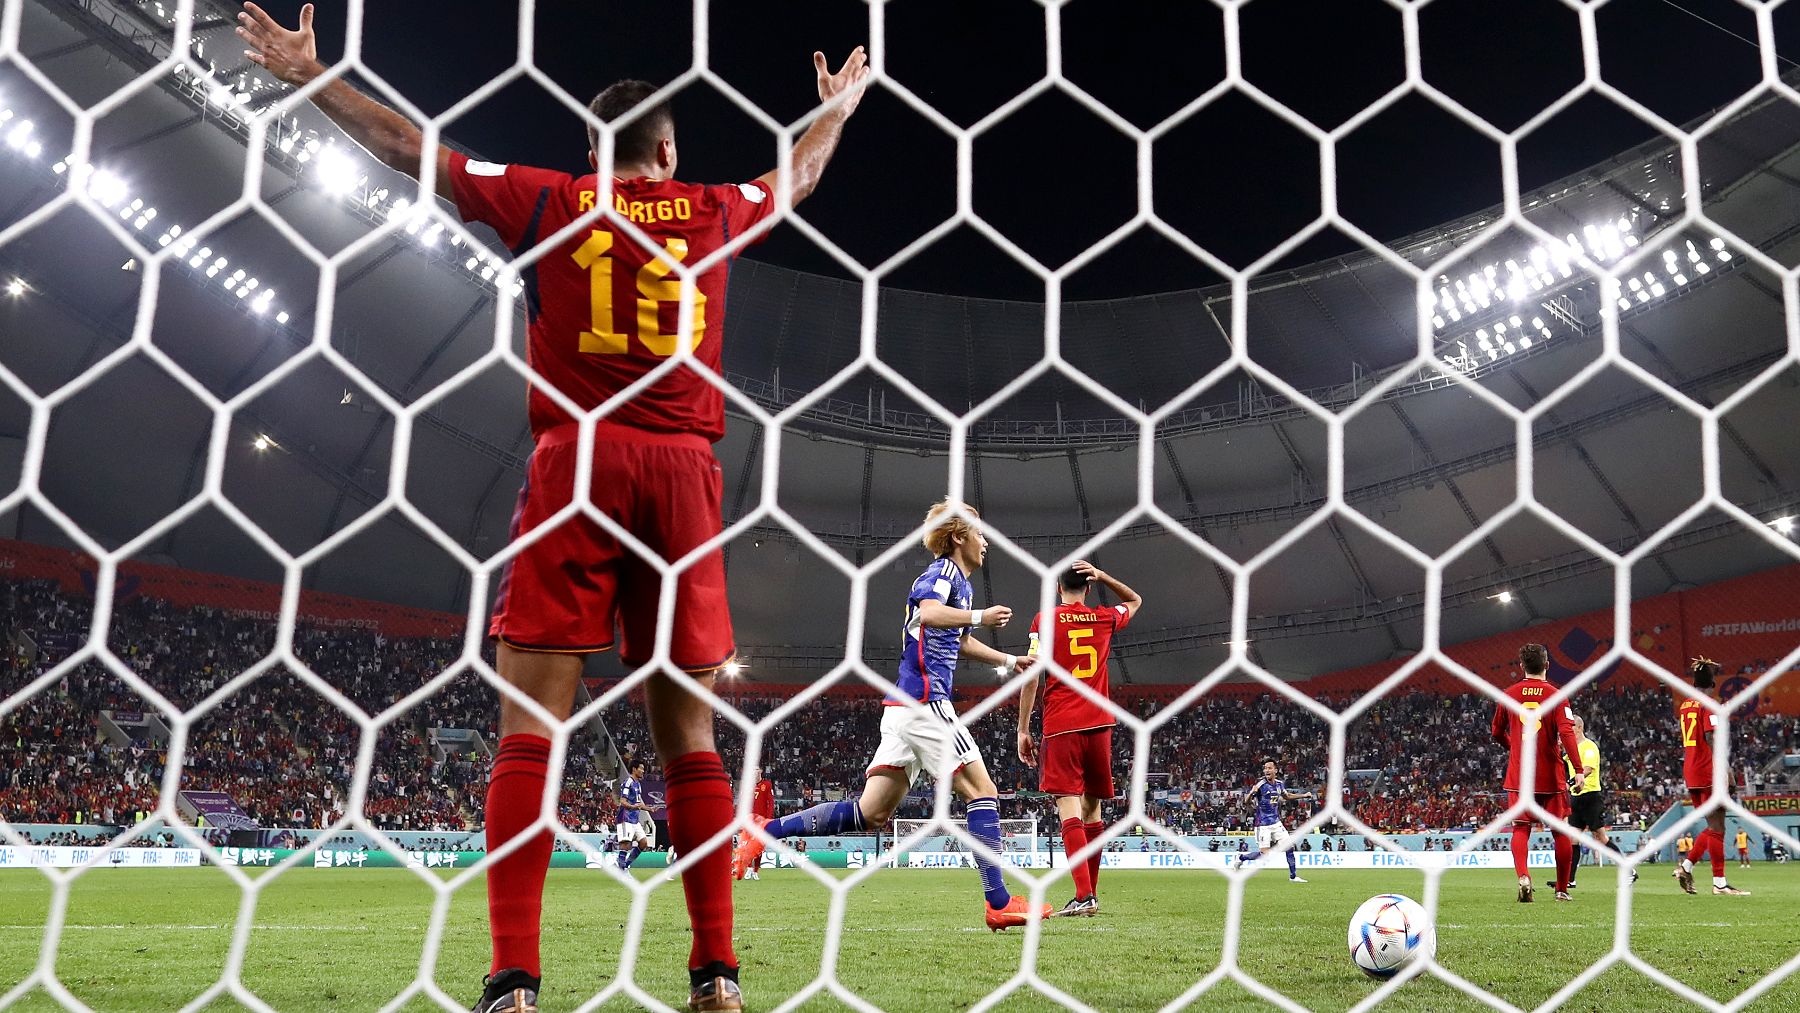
1556	803
1078	763
566	592
1700	796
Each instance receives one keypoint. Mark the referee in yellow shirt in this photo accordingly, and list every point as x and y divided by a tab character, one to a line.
1587	811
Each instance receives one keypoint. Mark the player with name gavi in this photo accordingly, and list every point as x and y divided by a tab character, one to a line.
1698	723
603	312
1077	754
1556	738
939	627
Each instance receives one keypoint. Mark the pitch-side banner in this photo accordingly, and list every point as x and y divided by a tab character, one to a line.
1304	859
343	858
123	858
1772	805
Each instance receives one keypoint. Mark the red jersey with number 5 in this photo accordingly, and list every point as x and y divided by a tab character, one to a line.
603	310
1697	724
1080	639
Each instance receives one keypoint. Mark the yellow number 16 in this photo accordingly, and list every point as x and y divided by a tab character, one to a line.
654	288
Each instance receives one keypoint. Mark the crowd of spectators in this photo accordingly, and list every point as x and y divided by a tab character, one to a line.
281	750
286	755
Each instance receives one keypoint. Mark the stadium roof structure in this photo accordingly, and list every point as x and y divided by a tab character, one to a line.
1238	462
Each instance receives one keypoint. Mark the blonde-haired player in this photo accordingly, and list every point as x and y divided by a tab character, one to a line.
940	621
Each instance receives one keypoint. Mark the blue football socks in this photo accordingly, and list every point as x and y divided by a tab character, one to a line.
984	824
827	819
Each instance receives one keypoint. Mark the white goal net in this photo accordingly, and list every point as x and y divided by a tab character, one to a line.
1449	284
1017	837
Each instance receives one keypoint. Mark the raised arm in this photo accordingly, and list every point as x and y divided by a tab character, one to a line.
1127	597
815	147
292	56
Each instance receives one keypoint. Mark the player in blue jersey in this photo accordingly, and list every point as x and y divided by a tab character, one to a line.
938	632
1266	796
634	816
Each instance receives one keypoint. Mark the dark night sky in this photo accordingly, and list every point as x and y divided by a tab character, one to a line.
1055	178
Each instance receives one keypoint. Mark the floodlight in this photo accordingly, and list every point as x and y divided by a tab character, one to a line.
338	171
106	188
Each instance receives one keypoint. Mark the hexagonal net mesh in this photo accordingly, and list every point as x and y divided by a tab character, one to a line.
1444	355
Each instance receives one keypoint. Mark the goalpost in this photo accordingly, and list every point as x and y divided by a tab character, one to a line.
101	194
1018	837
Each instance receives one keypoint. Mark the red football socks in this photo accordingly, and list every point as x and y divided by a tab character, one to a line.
1521	844
1074	839
700	806
1702	844
516	883
1718	854
1565	855
1093	864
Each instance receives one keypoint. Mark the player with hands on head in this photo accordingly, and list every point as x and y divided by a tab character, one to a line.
1555	739
939	630
1697	723
1265	797
603	312
1077	755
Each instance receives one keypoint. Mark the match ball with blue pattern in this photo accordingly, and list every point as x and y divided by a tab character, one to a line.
1389	932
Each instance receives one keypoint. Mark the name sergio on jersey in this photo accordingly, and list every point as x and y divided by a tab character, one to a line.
642	212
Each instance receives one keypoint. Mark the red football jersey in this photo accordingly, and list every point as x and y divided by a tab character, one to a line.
602	310
1697	726
762	800
1080	642
1552	741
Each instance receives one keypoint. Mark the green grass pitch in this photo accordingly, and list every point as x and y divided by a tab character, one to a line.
141	940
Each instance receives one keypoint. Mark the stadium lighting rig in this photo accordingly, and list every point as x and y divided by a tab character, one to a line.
16	287
1783	525
1512	304
111	192
17	135
234	95
1503	597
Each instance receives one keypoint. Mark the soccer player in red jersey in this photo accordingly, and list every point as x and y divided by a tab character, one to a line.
762	806
1555	738
1697	723
603	312
1077	753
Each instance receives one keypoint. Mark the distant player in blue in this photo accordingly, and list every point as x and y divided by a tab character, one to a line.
937	632
634	816
1266	795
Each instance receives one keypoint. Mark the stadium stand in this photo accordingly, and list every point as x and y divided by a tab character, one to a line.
1423	759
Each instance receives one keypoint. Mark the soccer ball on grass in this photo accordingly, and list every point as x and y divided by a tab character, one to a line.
1389	932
